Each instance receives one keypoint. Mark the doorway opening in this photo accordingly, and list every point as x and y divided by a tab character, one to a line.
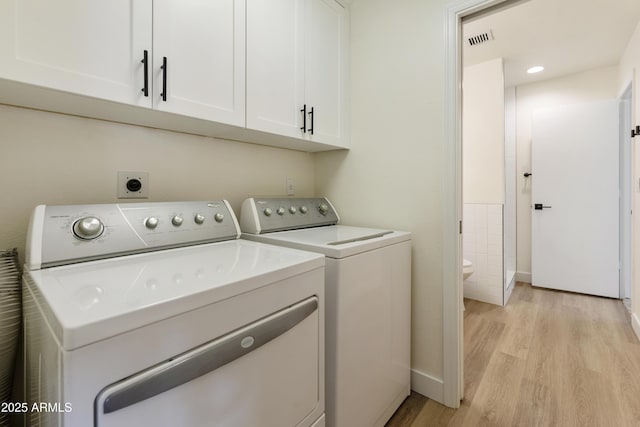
453	329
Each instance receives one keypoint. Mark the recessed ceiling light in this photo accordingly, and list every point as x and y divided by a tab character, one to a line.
535	69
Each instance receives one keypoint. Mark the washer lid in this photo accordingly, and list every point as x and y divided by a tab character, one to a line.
336	241
91	301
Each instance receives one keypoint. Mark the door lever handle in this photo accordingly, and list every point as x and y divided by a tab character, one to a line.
540	206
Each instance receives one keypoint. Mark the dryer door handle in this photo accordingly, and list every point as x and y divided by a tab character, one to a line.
203	359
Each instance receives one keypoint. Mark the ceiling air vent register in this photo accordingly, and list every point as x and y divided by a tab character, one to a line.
480	38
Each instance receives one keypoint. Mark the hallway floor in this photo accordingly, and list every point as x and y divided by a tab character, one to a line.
549	358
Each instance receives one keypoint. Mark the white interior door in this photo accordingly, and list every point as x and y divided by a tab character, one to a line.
575	172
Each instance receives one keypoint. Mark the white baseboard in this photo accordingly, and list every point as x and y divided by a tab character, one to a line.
635	324
428	386
522	276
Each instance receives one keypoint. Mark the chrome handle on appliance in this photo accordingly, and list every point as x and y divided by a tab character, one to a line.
311	114
145	61
304	118
202	360
164	78
360	239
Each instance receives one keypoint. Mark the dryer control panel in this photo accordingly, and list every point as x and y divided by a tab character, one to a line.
67	234
264	215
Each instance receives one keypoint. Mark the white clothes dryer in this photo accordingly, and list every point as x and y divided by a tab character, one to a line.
368	303
156	314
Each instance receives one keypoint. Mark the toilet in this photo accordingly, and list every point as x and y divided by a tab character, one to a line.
467	269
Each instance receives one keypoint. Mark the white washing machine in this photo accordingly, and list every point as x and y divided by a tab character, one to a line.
368	303
156	314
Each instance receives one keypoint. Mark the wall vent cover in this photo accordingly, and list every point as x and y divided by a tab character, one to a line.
480	38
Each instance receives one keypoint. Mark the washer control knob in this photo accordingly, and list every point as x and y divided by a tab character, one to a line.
151	223
218	217
323	208
198	219
303	209
88	228
293	210
267	211
280	211
176	220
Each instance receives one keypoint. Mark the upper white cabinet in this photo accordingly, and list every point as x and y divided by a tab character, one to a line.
326	71
270	72
275	66
297	69
90	47
198	56
117	49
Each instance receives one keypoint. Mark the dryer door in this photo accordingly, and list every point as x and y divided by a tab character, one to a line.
265	374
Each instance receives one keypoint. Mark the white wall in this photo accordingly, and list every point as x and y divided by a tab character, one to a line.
483	117
593	85
482	237
483	178
629	66
510	168
392	176
48	158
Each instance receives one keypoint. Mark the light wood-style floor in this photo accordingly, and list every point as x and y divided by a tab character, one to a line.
548	358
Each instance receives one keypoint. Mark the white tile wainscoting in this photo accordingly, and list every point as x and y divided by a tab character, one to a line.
482	244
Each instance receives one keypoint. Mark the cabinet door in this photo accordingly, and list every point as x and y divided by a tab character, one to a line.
88	47
203	42
275	66
326	69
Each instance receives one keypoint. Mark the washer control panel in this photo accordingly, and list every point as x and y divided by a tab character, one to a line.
66	234
263	215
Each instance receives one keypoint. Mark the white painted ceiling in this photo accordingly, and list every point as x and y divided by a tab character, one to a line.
564	36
